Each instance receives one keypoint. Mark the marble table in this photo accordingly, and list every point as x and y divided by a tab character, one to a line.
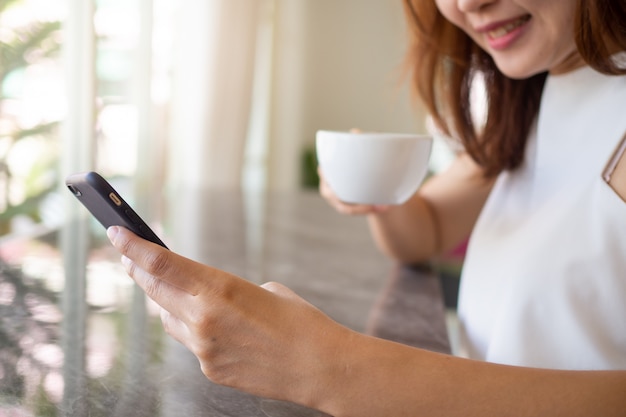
108	356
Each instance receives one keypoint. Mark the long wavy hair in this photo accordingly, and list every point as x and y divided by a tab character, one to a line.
443	62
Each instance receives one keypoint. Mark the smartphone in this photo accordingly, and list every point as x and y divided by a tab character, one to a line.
106	204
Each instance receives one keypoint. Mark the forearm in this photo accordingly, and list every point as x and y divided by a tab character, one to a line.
381	378
406	233
437	219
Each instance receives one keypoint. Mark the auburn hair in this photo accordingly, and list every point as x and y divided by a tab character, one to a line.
443	63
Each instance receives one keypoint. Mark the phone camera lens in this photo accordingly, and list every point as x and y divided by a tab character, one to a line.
74	190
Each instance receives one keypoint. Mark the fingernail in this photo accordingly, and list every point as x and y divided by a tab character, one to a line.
112	233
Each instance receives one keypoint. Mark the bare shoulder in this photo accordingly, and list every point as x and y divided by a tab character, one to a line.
464	178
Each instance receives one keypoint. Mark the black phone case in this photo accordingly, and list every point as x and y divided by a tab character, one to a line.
106	204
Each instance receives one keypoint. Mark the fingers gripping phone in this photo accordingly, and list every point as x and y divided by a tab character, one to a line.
106	204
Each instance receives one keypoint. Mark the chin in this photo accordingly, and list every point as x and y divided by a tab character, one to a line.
517	72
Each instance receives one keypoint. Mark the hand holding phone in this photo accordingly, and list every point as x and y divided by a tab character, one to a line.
106	204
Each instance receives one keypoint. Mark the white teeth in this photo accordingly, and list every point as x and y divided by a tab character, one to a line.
503	30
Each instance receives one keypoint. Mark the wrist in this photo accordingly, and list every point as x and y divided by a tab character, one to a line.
370	377
334	379
351	381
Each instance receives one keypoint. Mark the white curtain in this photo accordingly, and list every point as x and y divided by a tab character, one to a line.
212	91
300	65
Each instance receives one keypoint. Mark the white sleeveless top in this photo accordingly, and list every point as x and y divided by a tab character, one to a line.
544	281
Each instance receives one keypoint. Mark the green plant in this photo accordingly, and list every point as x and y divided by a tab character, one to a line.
308	165
20	48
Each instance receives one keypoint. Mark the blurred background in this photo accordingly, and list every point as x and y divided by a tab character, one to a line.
160	96
215	93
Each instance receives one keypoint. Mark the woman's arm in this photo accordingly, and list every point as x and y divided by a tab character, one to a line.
382	378
436	219
269	342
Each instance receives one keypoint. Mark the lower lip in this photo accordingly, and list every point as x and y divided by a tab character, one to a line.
507	40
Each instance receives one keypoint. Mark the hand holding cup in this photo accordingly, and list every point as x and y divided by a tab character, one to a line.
364	172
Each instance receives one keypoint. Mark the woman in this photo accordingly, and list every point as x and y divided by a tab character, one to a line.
544	276
528	184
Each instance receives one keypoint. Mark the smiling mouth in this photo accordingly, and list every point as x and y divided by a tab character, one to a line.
507	28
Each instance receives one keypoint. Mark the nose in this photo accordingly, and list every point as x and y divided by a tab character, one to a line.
468	6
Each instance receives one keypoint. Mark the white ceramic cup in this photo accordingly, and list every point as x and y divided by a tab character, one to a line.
373	168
